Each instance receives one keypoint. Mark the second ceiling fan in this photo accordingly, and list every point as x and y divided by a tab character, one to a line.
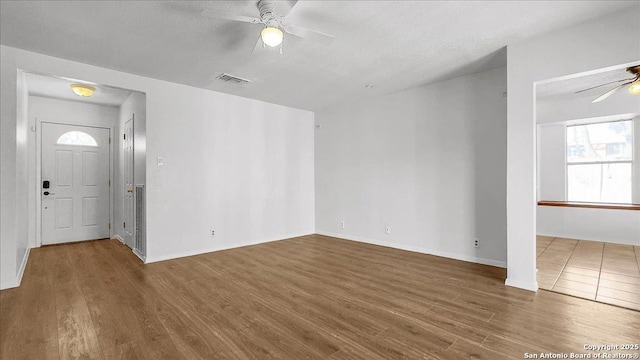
271	15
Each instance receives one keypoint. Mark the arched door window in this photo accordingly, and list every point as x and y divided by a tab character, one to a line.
78	138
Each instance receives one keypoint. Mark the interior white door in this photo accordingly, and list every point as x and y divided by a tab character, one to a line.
128	211
75	183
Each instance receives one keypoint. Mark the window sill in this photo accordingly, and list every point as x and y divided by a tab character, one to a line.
590	205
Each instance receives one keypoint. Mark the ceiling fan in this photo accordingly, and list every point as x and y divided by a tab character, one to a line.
633	89
271	15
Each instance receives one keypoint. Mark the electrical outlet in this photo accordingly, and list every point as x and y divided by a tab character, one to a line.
342	224
476	242
213	232
387	229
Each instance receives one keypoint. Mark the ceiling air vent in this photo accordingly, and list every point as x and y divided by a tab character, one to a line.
231	78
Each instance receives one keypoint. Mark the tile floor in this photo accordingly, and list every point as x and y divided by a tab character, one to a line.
604	272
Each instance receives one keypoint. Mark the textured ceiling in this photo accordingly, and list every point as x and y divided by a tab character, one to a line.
567	88
60	88
392	45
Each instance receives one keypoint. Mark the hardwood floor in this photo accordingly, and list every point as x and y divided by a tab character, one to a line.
312	297
594	270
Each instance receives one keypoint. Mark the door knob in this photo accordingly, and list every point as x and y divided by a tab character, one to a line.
47	193
129	190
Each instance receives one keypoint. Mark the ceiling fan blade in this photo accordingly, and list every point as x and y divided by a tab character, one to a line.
282	7
305	33
597	86
258	47
610	92
220	15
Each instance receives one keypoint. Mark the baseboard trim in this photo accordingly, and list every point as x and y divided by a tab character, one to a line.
152	259
624	241
9	284
22	267
473	259
526	285
139	254
117	237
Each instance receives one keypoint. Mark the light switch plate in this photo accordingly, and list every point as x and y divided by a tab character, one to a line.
160	161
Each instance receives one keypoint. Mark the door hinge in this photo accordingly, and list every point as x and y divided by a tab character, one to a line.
124	136
109	182
109	139
124	224
109	225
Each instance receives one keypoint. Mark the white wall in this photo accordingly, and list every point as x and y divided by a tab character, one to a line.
134	105
22	133
552	167
636	164
43	109
429	162
71	112
8	241
596	44
13	166
239	166
615	226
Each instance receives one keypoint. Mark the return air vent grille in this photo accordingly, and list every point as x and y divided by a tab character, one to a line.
231	78
140	236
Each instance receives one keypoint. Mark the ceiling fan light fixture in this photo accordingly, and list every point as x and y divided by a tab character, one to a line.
272	36
83	90
635	88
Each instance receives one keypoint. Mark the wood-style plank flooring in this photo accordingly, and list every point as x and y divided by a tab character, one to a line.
594	270
312	297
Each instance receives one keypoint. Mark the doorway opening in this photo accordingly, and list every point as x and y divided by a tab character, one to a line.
86	163
588	187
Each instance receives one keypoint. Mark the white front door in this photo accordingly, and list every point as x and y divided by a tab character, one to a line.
75	183
128	223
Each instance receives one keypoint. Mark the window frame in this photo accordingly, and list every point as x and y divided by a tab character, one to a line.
94	142
604	162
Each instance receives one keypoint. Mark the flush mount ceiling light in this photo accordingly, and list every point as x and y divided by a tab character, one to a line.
635	88
83	90
272	36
